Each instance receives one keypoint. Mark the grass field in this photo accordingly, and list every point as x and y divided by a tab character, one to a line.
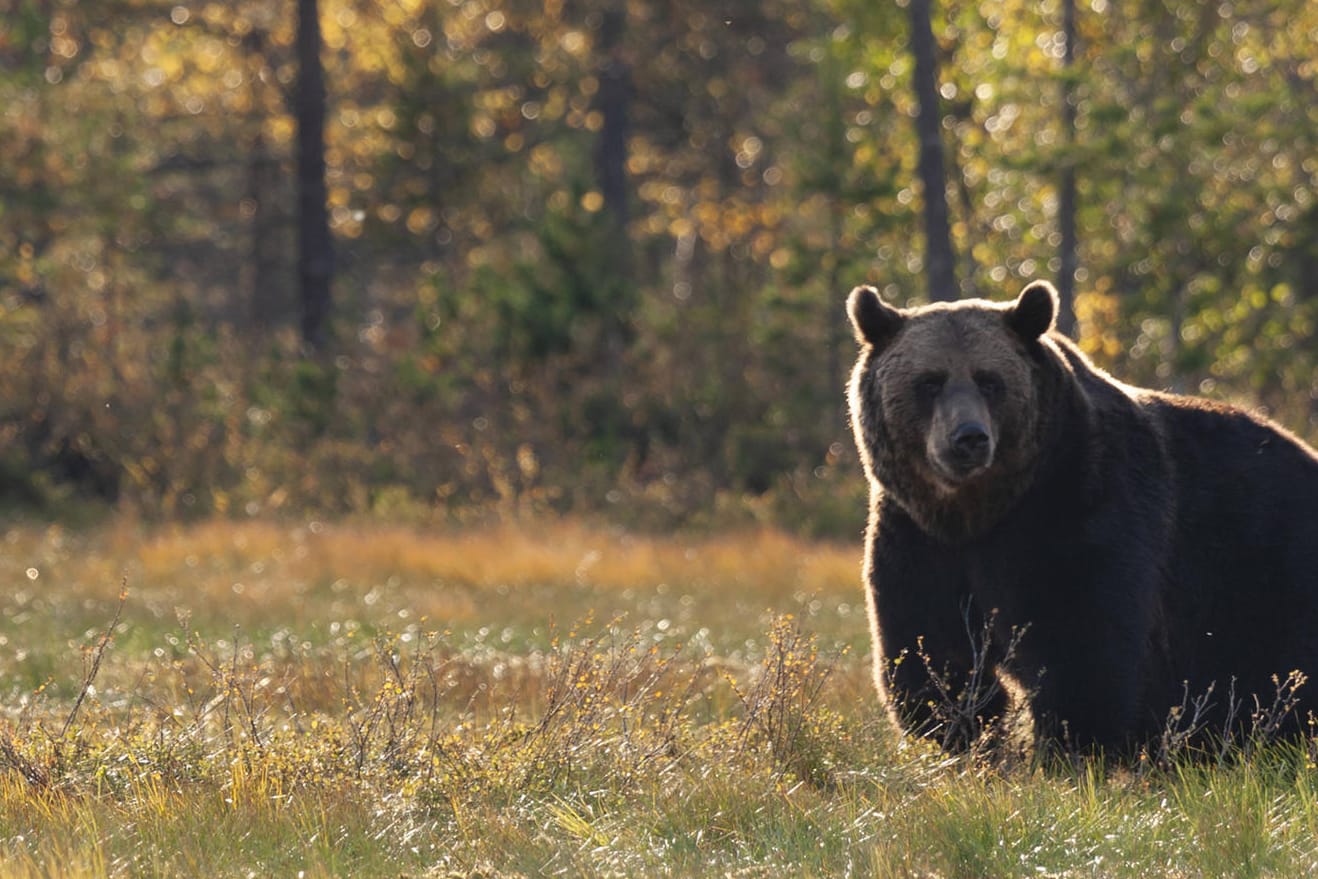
335	700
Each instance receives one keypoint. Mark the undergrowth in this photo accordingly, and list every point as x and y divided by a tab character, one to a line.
409	726
633	743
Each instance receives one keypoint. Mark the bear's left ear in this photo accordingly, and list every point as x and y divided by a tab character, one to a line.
875	321
1033	312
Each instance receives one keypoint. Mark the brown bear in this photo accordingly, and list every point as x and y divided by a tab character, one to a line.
1116	551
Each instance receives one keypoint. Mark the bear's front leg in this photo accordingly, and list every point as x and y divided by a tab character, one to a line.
1083	710
944	687
1085	672
934	657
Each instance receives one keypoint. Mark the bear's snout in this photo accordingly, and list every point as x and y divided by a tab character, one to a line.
966	450
961	441
970	442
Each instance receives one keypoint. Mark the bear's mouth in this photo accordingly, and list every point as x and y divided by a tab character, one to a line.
956	474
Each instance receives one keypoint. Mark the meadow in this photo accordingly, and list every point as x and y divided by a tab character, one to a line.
548	698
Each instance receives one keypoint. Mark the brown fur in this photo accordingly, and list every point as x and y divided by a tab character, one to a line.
1148	545
957	340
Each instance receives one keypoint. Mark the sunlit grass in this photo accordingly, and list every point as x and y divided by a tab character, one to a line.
504	587
548	699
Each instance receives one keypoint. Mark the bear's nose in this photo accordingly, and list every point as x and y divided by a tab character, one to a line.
970	439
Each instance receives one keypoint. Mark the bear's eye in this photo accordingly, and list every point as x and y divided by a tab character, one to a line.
929	385
989	384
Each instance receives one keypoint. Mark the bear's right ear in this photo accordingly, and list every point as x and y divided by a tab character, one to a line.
875	322
1033	312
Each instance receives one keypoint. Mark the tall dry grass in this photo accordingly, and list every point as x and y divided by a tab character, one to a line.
295	727
553	552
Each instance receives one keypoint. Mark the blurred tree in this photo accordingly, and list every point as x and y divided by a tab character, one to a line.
315	248
1066	208
940	257
265	280
614	97
592	255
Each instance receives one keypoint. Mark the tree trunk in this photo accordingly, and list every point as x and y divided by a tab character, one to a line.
613	102
1066	199
315	248
267	292
615	87
835	127
940	259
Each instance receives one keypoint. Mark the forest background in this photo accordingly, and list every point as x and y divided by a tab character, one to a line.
589	256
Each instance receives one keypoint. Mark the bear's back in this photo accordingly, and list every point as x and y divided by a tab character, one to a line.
1244	576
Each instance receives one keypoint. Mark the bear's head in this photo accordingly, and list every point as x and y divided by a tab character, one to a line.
945	403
